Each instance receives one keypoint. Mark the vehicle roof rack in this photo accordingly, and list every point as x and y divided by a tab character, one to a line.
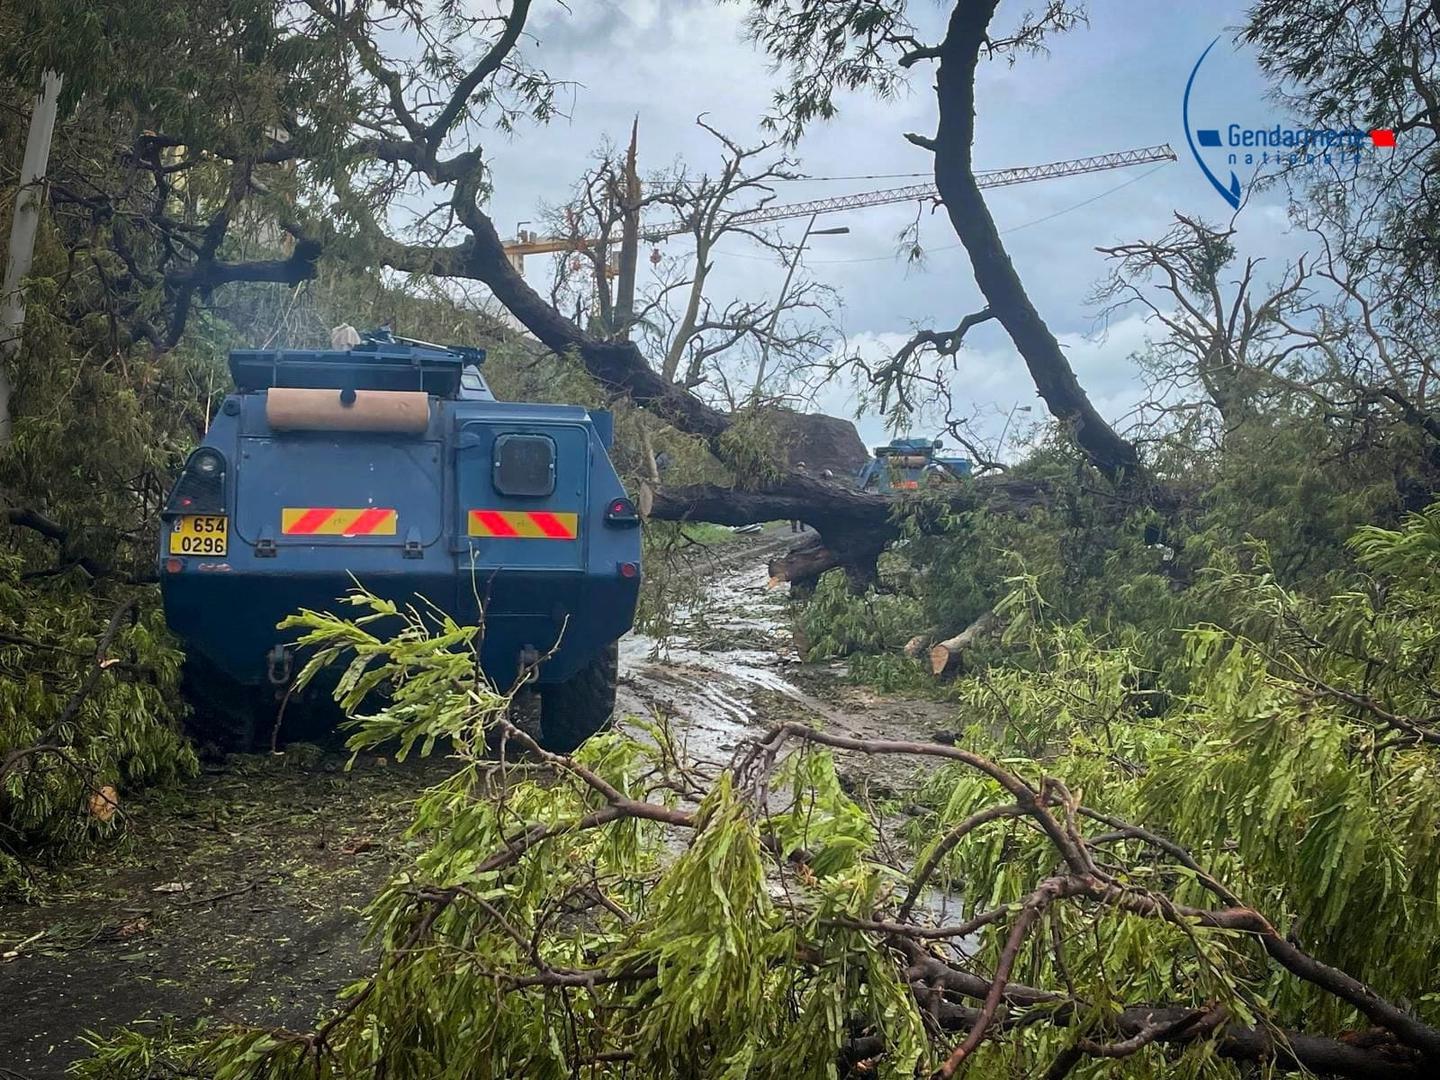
902	447
380	362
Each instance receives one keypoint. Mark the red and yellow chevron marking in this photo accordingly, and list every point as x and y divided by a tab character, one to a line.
526	524
337	521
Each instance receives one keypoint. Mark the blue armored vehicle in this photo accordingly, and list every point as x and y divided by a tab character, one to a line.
392	463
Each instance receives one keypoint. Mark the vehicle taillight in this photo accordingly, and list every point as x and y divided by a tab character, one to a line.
621	513
201	487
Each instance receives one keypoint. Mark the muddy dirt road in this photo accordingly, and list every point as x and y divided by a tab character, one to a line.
239	896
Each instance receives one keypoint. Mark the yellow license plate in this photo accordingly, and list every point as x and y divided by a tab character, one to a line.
198	534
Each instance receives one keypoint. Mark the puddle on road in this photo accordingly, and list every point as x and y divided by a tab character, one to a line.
708	691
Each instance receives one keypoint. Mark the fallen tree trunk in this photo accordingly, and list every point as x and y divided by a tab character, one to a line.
945	655
803	564
793	497
854	526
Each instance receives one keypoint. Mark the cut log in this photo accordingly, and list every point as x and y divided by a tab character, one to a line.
918	645
803	564
946	654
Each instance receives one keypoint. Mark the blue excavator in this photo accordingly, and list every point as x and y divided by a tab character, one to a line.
903	464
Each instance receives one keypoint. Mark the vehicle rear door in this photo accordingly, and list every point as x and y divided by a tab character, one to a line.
323	489
521	490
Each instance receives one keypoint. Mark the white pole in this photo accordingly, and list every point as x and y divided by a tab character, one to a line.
28	201
775	316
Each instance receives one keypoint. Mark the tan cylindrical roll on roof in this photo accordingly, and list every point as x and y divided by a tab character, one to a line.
291	408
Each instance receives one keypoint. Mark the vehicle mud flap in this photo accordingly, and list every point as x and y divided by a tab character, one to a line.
223	714
524	713
582	705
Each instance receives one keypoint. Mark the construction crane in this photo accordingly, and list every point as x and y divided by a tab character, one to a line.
528	243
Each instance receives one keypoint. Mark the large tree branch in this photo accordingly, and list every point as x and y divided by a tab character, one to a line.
27	518
618	365
1084	880
854	526
994	273
206	275
1359	1058
804	498
488	65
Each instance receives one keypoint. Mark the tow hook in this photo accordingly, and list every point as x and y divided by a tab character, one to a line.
530	663
277	665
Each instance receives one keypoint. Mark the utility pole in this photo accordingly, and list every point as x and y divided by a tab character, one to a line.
26	222
810	231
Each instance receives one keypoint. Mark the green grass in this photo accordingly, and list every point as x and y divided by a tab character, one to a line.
702	532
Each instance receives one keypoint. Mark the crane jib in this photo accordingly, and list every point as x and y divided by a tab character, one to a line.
528	244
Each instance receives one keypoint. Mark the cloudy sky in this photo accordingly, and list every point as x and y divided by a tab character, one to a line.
1113	86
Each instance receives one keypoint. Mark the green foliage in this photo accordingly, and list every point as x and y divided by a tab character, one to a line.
1284	754
749	450
953	566
836	621
99	428
1283	480
428	664
1287	481
659	948
889	673
625	913
141	1052
75	742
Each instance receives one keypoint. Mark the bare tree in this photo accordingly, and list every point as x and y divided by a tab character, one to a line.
697	341
1233	338
599	228
1326	335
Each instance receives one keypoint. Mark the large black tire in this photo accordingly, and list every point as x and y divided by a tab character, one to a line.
582	705
223	714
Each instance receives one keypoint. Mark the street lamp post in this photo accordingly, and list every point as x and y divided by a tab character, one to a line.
1006	429
810	231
